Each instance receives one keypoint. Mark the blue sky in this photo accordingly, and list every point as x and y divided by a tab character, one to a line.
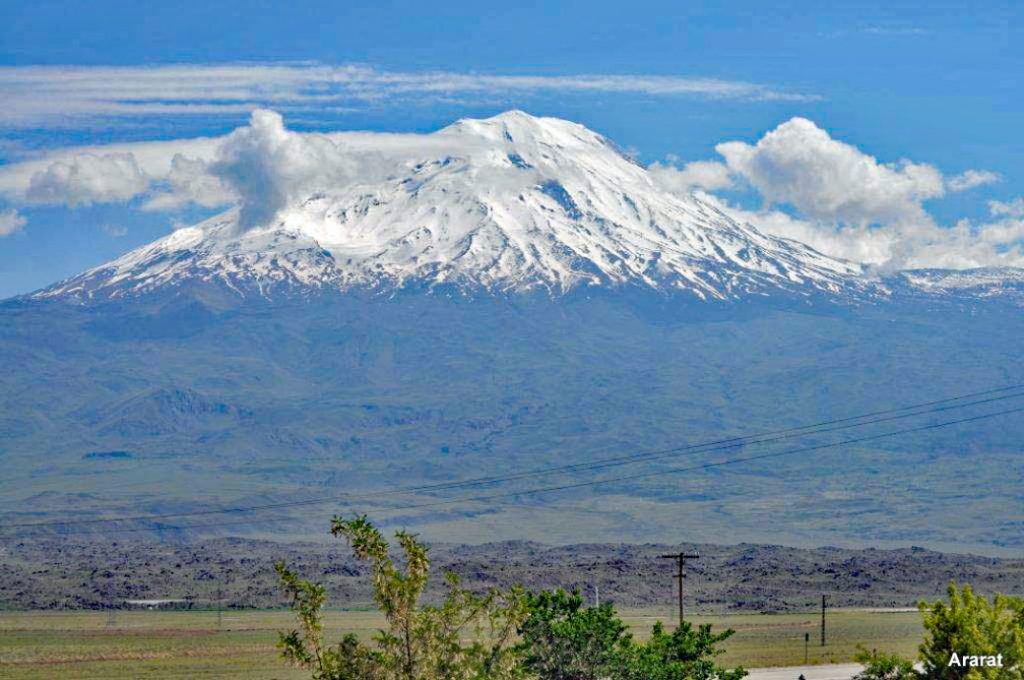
938	84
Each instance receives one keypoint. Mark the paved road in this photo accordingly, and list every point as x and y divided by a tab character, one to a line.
839	671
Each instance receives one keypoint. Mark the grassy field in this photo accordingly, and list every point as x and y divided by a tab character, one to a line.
142	644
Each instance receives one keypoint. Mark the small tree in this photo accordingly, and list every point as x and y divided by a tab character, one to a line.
304	647
968	625
687	653
562	640
467	637
972	625
881	666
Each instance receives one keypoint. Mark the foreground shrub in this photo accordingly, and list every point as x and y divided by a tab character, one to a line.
977	631
687	653
421	642
879	666
971	625
562	640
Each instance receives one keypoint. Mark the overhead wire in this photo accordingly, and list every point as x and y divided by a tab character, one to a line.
562	487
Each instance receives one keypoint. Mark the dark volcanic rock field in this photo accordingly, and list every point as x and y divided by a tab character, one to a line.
47	574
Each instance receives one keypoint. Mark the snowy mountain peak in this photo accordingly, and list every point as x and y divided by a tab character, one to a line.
506	204
519	129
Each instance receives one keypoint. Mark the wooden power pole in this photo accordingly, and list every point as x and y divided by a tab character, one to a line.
822	620
220	607
680	559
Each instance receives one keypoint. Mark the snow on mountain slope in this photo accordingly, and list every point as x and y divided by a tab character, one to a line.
985	282
512	203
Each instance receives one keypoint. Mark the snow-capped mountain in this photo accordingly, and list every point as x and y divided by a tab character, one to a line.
514	203
349	387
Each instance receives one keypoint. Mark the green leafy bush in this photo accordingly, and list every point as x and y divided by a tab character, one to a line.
562	640
880	666
971	625
467	637
687	653
986	637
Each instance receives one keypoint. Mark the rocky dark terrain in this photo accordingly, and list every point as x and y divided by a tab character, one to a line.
49	574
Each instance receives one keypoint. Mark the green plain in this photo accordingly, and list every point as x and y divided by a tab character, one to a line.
190	644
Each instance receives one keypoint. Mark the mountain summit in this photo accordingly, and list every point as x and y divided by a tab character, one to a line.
509	204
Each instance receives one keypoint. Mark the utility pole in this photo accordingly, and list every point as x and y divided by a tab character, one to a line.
220	608
680	559
823	620
807	642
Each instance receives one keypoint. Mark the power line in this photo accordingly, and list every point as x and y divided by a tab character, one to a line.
716	445
611	480
741	439
707	466
706	447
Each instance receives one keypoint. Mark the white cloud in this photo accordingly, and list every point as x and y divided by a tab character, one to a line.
10	222
1000	232
863	245
848	204
892	247
708	175
971	179
1014	208
265	165
799	164
153	158
114	230
259	166
71	95
967	245
189	182
895	30
87	179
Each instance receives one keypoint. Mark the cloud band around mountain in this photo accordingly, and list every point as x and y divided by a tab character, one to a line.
815	189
